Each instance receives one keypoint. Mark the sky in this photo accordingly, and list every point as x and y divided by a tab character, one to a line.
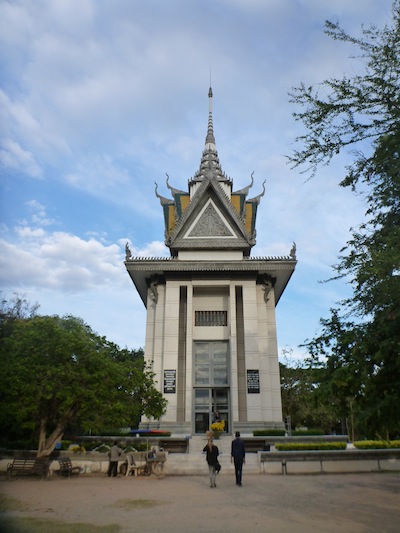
99	99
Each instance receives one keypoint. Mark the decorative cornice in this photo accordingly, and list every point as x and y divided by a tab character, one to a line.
252	263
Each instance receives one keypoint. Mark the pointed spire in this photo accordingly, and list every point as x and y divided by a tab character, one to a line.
209	165
210	139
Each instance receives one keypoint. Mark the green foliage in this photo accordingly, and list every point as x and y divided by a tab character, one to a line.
299	401
21	445
304	432
114	433
376	444
304	446
269	433
57	374
358	351
101	448
78	449
130	449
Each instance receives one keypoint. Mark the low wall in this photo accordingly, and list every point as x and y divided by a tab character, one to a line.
329	461
88	462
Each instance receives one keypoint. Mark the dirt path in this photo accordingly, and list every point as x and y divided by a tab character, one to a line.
354	503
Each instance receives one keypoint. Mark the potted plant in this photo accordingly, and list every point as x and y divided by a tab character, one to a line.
217	427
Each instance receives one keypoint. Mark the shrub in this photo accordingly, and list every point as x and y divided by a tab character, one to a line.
269	433
21	445
376	444
103	448
130	449
114	433
304	446
305	432
78	449
92	445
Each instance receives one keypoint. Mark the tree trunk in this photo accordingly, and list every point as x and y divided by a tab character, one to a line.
46	446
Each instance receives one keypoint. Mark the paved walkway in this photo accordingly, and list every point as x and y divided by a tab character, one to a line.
353	503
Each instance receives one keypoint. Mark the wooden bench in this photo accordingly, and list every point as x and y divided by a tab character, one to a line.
27	467
173	445
66	468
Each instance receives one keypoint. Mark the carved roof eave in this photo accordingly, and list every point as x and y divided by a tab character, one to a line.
179	265
141	269
210	244
195	201
172	189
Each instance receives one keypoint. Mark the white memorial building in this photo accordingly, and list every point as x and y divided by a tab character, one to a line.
211	328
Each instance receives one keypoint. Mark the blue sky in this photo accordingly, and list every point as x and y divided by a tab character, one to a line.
100	98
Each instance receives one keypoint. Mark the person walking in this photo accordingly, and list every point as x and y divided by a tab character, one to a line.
238	455
113	454
212	453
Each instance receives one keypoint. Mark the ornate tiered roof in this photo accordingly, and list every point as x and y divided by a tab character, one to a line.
210	231
209	215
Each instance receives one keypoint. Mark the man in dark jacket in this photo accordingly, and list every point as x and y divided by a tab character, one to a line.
238	455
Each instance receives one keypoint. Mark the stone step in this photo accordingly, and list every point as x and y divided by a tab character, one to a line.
195	464
197	444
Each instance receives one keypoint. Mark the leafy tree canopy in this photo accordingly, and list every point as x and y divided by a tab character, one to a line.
57	372
362	112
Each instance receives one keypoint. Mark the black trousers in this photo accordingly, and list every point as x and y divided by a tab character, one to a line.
238	469
113	469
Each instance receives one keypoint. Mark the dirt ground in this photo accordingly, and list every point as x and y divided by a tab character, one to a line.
353	503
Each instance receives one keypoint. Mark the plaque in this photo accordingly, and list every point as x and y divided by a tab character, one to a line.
253	382
169	381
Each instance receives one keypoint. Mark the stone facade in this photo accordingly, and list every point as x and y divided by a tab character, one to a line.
211	330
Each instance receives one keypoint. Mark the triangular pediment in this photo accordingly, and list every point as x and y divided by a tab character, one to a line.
210	222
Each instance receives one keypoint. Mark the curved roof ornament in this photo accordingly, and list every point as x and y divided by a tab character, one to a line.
172	189
162	199
256	199
245	190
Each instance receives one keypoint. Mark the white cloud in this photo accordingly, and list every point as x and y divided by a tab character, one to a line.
100	99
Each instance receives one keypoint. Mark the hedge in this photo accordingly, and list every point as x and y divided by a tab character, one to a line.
269	433
376	444
304	446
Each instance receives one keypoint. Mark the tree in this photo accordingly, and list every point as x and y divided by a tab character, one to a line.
343	368
363	112
57	372
300	401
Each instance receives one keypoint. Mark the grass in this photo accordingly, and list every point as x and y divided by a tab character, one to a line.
10	504
29	524
40	525
130	505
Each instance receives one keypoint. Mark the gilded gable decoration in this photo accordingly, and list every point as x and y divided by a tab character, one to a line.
210	224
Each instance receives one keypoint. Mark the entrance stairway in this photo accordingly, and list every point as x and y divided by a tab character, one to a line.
194	462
